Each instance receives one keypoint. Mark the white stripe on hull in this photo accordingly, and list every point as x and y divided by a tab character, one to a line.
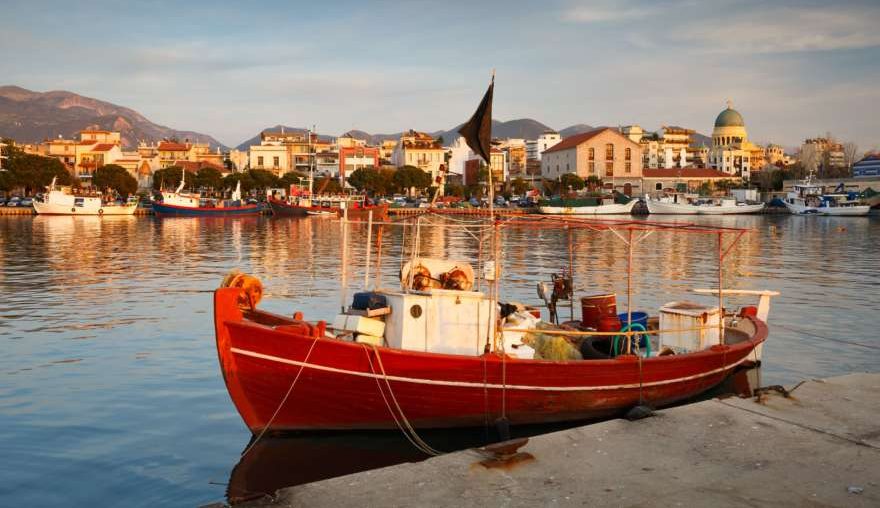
481	386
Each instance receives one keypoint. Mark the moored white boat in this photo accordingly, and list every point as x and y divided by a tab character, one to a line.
677	204
808	198
62	200
605	206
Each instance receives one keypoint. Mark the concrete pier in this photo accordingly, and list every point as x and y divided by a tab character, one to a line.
819	447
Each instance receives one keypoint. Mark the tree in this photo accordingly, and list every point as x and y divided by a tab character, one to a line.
112	176
291	178
593	182
373	181
169	178
32	172
454	189
264	179
571	181
411	177
519	186
850	154
210	178
231	180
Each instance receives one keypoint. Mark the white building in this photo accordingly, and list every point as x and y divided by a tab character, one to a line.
731	150
459	154
534	148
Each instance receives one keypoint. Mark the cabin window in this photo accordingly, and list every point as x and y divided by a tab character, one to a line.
609	151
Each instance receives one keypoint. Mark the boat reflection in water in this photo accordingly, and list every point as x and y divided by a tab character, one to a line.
286	460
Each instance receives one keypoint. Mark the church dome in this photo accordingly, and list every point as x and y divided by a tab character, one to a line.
729	118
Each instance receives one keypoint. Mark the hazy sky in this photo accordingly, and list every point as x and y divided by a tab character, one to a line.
793	69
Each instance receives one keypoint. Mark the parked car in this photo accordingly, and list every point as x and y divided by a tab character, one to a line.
26	202
13	201
2	201
474	202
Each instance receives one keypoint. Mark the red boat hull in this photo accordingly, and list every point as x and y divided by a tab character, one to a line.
343	385
283	209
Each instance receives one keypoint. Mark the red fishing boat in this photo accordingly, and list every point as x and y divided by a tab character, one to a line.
444	350
445	356
359	207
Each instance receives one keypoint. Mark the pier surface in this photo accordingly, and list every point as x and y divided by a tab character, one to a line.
821	447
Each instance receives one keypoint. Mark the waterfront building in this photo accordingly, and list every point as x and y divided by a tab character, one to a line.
459	154
515	150
868	167
670	147
270	157
94	157
282	152
687	179
731	151
823	152
547	139
421	150
355	156
386	150
774	154
100	136
603	153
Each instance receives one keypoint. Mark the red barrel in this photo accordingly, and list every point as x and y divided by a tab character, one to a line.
593	308
609	324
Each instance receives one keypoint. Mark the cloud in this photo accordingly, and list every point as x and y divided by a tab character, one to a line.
786	29
598	12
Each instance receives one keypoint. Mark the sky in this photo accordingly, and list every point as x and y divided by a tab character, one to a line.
229	69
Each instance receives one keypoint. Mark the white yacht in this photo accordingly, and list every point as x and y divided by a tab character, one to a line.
61	200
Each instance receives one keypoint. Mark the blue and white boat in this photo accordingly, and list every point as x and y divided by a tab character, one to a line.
192	204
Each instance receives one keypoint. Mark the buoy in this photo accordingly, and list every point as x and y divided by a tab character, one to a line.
841	228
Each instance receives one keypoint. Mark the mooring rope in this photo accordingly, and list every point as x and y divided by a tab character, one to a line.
407	429
283	400
842	341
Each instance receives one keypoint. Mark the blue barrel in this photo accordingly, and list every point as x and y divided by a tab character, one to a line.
637	318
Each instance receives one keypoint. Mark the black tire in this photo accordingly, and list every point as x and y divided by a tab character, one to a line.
100	211
596	348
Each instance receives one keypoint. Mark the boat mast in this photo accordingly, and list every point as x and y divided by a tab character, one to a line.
311	171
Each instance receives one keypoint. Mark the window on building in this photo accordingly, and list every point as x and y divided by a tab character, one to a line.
658	186
592	153
566	167
260	161
592	168
275	162
628	155
609	169
609	151
628	167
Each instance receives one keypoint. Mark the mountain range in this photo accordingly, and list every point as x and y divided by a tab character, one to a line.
31	117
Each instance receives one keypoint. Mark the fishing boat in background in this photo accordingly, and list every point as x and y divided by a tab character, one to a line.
192	204
683	204
591	205
810	198
301	203
62	200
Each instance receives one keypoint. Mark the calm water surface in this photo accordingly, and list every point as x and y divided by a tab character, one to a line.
110	392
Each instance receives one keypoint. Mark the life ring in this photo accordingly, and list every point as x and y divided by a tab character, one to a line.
100	211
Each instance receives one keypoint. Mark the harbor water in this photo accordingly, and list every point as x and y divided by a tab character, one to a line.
110	391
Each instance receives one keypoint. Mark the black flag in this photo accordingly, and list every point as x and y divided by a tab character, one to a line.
477	131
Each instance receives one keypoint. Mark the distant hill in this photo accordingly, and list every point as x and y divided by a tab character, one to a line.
31	117
525	128
575	129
